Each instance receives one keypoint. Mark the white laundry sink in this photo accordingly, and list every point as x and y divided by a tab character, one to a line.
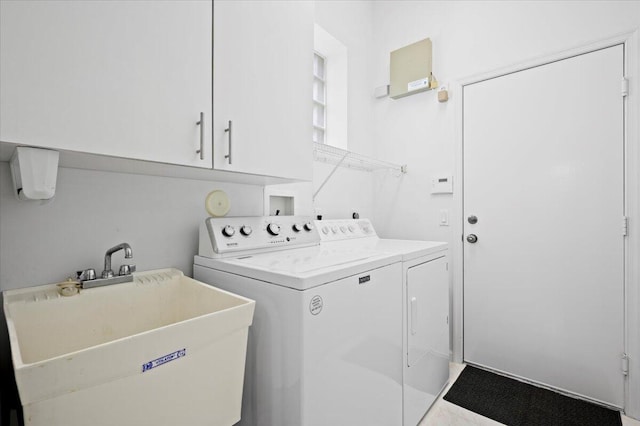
163	349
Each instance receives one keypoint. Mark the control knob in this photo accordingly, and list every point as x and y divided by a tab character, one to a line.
246	230
308	226
297	227
273	229
228	231
325	230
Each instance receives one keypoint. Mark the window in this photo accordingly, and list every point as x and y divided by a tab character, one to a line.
329	90
319	96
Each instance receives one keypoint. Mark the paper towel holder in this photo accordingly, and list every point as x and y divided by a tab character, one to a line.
34	172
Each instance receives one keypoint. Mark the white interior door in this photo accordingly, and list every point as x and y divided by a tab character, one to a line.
543	174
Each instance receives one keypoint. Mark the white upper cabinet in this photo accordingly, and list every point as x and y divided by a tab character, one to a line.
119	78
263	80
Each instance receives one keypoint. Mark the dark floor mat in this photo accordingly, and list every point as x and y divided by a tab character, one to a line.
516	403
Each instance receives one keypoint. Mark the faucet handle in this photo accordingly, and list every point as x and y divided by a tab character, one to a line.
86	275
127	269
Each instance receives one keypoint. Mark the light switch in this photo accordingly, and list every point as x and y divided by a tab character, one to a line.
444	217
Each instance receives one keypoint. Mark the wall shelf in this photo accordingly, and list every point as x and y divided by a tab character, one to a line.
343	158
86	161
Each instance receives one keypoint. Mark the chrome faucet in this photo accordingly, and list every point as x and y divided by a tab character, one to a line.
87	277
128	254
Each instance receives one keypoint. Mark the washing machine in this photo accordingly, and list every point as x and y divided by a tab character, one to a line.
425	308
326	344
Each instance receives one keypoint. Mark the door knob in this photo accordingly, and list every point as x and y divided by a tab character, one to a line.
472	219
472	238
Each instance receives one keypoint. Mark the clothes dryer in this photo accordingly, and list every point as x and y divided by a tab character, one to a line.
425	308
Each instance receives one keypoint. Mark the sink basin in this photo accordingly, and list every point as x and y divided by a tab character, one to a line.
163	349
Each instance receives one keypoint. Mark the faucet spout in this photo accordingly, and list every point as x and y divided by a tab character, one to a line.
128	254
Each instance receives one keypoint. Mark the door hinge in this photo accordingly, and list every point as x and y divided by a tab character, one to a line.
625	225
625	86
625	364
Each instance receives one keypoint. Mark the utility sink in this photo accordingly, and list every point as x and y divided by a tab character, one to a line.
163	349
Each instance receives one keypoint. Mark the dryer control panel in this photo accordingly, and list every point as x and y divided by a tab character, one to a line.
344	229
231	235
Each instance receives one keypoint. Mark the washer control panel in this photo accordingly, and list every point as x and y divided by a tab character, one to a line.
224	235
344	229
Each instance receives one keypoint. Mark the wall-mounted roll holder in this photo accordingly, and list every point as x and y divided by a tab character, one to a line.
34	172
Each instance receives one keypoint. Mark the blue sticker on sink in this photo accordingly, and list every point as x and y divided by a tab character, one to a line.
163	360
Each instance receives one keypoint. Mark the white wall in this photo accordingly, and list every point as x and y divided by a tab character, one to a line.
348	190
93	211
469	37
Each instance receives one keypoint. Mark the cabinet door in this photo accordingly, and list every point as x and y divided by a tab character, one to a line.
120	78
263	65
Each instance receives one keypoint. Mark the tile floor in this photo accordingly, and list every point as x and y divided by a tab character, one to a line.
445	413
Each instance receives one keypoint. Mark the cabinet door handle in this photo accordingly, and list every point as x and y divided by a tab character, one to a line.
228	129
201	124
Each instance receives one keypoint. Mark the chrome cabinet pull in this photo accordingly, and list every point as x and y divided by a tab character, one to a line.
201	124
228	129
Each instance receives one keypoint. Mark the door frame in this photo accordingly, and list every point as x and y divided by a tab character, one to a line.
631	42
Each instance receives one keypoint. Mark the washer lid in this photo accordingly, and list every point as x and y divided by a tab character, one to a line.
302	262
303	268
